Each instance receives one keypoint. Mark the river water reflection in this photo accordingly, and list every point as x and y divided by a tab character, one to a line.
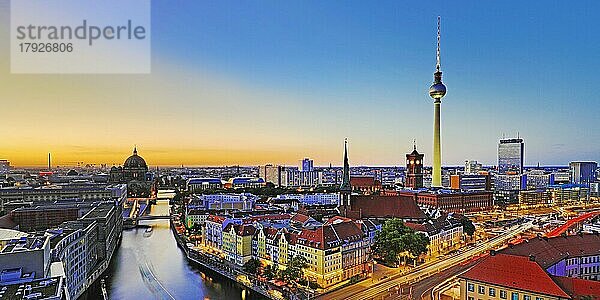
151	266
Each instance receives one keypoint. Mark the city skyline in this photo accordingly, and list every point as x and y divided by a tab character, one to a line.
209	103
299	150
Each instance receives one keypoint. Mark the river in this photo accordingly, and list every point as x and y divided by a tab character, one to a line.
151	266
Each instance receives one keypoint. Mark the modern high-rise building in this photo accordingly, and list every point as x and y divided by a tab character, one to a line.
437	91
471	182
307	165
282	176
472	167
510	156
4	166
583	172
271	173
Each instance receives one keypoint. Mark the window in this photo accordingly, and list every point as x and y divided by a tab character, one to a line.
482	289
492	292
502	294
471	287
471	298
526	297
514	296
539	298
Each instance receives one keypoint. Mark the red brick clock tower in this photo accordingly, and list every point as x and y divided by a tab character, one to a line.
414	169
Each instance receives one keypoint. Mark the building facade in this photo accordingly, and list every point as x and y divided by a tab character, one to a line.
195	185
510	156
453	201
471	182
583	172
503	277
4	166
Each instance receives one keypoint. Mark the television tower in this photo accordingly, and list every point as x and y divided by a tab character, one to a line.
437	91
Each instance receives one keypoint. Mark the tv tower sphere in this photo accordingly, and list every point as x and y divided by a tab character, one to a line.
437	90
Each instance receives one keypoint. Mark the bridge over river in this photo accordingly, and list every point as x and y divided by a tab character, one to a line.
138	209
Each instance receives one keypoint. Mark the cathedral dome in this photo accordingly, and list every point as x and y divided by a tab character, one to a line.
135	161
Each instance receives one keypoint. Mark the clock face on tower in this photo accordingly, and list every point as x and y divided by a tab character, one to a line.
414	169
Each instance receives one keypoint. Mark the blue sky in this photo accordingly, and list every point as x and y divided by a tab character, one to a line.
525	66
302	75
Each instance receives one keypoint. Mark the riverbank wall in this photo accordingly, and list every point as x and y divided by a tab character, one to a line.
205	262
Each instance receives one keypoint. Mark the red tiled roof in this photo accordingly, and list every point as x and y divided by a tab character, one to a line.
300	218
291	237
216	219
329	236
270	232
515	272
400	206
549	251
578	288
338	219
347	231
432	227
416	227
364	181
266	217
311	237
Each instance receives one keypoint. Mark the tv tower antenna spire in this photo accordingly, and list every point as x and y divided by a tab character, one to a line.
438	63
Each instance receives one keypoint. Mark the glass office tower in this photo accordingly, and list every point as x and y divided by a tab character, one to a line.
510	156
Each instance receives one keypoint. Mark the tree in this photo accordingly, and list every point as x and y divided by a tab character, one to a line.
252	266
270	272
416	243
468	226
294	269
395	239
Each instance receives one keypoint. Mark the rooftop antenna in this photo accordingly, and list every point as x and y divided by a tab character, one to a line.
414	144
438	63
49	162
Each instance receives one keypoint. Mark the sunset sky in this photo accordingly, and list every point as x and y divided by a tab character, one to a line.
275	81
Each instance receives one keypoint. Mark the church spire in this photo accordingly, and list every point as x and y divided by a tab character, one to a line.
346	174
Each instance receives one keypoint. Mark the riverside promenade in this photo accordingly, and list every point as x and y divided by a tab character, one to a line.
224	269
